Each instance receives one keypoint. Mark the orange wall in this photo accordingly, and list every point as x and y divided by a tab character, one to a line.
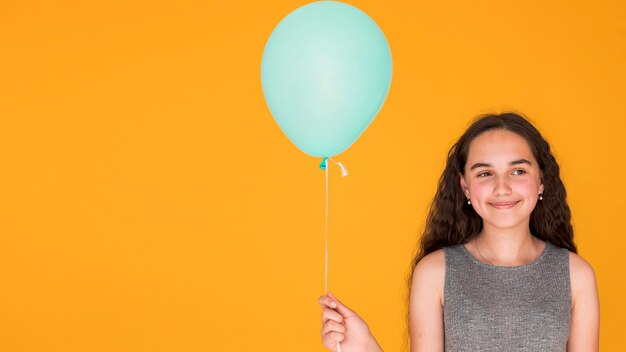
149	202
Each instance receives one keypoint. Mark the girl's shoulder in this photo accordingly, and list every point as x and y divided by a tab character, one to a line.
431	269
585	305
582	275
429	278
578	264
433	262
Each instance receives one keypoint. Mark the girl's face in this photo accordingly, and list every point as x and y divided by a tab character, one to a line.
502	179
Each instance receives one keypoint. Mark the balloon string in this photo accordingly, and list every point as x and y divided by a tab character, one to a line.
326	232
344	173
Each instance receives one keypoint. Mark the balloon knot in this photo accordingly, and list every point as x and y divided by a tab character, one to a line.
324	164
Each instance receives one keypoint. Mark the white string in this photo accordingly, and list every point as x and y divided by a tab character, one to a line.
344	173
326	231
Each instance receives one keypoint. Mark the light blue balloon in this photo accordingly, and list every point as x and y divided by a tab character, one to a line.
325	72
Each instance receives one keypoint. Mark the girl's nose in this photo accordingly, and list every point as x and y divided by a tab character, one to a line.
502	187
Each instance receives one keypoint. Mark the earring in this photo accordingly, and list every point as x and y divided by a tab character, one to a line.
468	201
541	196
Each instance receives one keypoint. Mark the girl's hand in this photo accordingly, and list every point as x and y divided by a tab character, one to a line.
340	324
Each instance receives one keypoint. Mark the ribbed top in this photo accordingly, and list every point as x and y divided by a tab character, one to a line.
501	308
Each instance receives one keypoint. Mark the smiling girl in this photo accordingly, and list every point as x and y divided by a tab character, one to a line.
497	268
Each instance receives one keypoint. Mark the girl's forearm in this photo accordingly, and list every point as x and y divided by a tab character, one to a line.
373	345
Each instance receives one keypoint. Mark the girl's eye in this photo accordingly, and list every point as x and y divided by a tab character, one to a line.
519	172
484	174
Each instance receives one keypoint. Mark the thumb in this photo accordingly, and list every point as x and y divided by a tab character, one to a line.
341	308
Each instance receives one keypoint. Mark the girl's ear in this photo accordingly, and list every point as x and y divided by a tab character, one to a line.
464	186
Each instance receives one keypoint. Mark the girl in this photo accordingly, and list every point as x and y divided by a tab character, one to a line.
497	268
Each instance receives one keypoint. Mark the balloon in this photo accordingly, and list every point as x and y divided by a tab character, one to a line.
325	73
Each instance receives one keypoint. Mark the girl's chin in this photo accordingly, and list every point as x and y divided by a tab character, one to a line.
498	220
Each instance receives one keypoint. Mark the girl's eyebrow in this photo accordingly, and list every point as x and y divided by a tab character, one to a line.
514	162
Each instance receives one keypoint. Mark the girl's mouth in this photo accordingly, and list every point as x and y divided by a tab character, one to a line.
503	205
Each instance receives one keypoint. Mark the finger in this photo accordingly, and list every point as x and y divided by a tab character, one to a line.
326	301
333	326
330	339
329	314
341	308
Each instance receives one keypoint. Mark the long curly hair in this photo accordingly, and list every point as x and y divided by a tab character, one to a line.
452	221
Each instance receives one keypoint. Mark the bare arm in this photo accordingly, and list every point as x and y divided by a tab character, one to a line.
426	304
585	325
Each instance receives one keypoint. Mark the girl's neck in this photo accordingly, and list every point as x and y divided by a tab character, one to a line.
506	247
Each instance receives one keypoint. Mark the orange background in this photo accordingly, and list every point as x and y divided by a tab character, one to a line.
149	202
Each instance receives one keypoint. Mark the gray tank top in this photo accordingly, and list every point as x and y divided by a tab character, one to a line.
497	308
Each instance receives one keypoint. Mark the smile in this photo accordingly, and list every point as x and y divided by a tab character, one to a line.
503	205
